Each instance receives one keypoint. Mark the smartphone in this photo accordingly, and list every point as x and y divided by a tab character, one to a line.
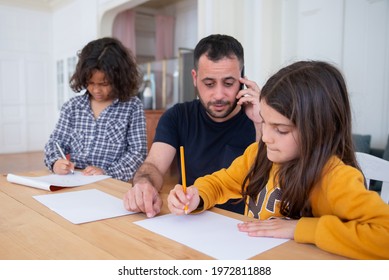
242	75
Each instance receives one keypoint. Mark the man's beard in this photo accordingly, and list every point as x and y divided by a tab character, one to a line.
218	115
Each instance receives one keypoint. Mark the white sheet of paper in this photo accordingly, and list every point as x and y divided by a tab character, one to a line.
210	233
84	206
48	181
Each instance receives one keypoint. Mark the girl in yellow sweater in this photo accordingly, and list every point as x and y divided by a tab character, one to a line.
301	180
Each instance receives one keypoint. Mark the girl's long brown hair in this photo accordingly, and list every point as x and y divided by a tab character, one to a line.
313	95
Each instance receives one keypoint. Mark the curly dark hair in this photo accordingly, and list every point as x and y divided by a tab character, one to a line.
117	62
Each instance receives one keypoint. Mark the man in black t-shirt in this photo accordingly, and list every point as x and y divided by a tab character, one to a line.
215	129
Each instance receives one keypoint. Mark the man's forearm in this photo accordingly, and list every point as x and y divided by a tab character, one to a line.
148	171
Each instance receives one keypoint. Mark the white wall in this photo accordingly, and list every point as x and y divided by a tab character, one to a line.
74	25
186	25
366	66
354	34
26	78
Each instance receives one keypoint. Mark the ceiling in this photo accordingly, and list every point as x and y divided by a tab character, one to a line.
49	4
158	4
38	4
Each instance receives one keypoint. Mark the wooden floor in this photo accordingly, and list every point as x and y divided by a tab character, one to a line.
24	162
21	162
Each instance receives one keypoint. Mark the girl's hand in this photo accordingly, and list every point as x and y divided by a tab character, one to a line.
63	166
177	199
93	170
276	228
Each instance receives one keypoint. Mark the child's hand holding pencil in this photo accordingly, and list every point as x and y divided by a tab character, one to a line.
183	200
63	166
181	203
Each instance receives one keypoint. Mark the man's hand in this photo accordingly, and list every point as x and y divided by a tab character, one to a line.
143	197
249	99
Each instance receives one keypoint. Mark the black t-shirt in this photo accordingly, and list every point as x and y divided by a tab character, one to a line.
209	146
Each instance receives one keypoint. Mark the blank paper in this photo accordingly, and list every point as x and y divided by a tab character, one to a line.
210	233
84	206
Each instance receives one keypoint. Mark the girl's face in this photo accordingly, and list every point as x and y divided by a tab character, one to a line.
279	134
99	87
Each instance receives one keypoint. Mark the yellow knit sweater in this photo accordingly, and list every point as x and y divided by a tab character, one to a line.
348	219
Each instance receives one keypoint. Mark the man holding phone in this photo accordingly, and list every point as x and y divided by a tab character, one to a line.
214	129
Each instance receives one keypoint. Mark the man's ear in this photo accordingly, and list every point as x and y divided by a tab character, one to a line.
194	76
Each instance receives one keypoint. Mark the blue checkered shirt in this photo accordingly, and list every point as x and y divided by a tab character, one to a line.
115	141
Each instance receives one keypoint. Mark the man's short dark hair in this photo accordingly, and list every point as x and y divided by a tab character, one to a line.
217	47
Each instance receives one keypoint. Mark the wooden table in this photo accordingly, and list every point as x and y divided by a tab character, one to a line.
29	230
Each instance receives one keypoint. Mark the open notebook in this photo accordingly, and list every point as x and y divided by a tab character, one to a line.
55	182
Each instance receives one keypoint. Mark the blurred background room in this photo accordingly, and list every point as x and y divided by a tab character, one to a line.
39	40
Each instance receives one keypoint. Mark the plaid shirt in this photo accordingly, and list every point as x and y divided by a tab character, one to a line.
115	141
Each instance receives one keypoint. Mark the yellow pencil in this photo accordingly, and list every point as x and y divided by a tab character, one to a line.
183	174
